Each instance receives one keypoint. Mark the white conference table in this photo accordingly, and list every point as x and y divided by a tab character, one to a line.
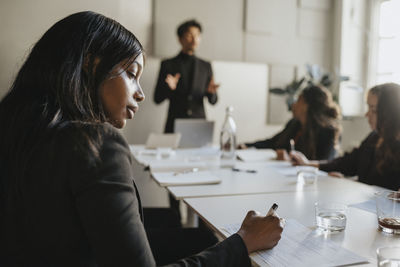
229	201
361	235
266	180
269	177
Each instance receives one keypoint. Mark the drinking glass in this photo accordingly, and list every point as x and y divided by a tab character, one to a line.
330	216
388	211
307	175
388	256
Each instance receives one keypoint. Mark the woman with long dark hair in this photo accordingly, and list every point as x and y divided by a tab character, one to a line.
377	160
314	128
67	195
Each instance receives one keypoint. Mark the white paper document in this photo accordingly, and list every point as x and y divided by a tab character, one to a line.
173	165
369	205
299	246
294	170
185	178
251	155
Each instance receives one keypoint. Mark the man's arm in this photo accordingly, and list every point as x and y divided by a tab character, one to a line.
212	88
162	90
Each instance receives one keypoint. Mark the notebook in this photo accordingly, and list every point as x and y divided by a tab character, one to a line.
194	132
186	177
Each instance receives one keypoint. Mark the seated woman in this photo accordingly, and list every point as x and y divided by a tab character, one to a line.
67	194
377	160
314	127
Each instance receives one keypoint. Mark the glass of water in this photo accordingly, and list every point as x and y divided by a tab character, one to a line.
388	256
306	176
330	216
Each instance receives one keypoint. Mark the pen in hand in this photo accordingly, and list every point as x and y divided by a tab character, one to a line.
291	145
273	208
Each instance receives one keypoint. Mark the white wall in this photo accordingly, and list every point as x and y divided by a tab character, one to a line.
23	22
222	23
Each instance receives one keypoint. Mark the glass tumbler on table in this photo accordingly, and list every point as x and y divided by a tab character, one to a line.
330	216
388	256
388	211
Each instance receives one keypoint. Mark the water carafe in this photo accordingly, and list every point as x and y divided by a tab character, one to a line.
228	136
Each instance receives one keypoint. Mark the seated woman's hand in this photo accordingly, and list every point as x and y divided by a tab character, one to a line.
298	158
260	232
242	146
281	154
336	174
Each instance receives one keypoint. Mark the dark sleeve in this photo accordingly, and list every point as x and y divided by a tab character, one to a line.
347	164
230	252
212	98
273	141
109	210
326	145
267	143
162	90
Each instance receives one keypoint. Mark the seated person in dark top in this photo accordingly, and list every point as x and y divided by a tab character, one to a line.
314	127
67	193
377	160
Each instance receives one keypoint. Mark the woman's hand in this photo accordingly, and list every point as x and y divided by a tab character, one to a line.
281	154
336	174
259	232
242	146
298	158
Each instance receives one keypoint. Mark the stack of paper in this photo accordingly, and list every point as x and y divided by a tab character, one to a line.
299	246
187	177
174	165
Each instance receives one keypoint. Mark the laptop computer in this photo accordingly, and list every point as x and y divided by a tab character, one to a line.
194	132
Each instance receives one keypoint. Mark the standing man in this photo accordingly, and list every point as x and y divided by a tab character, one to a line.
186	79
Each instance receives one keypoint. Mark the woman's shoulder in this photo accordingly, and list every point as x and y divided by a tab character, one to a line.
83	130
371	139
88	140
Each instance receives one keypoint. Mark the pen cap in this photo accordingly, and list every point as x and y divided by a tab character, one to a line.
274	206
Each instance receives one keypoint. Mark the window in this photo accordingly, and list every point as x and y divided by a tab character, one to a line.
388	54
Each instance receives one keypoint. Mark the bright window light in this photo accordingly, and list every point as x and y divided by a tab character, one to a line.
388	69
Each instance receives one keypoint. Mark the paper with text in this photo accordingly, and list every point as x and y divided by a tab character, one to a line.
299	246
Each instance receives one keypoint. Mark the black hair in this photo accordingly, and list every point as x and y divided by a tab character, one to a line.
59	82
183	28
322	112
388	127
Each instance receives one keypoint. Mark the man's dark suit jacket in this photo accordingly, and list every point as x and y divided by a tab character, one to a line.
76	209
325	141
362	161
186	101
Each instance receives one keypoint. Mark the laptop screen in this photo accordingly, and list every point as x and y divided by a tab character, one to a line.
194	132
